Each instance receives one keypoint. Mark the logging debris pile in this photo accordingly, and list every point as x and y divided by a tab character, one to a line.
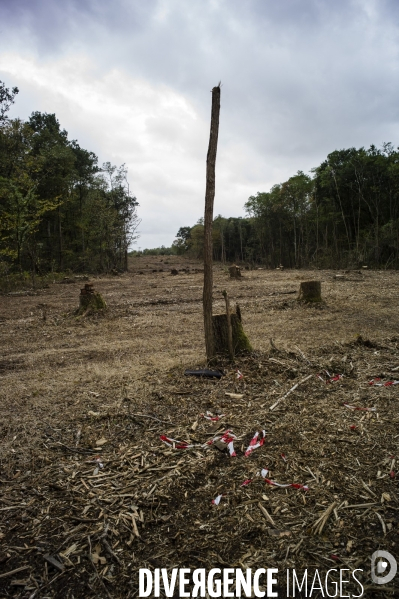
105	496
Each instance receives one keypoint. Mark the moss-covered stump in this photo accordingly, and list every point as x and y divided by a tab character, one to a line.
241	342
310	291
90	300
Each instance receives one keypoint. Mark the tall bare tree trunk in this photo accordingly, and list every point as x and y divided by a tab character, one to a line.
209	199
61	244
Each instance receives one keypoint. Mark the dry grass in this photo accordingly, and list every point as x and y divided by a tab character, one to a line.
129	363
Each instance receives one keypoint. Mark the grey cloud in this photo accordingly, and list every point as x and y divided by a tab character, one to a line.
55	26
300	79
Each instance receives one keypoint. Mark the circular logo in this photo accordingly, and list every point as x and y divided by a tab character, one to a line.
379	564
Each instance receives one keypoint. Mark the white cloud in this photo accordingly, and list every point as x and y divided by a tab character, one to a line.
153	129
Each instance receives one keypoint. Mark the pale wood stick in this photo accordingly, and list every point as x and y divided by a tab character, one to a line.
11	572
266	514
321	522
290	391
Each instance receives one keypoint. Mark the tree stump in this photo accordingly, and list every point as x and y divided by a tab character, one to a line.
235	271
310	291
241	342
90	300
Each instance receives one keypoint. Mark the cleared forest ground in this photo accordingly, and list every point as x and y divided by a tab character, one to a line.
75	389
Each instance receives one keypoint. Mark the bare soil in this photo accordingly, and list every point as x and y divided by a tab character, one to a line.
76	391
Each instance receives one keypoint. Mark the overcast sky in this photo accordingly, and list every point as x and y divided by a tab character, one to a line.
131	81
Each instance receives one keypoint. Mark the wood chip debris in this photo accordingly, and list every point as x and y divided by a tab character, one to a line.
150	505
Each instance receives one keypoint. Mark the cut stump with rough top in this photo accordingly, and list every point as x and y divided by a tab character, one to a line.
310	291
90	300
241	342
235	271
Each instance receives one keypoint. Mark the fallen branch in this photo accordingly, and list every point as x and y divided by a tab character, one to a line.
290	391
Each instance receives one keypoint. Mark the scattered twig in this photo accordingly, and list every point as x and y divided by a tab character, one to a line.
356	505
75	449
107	546
153	418
290	391
321	522
44	586
11	572
380	518
368	488
266	514
302	354
95	570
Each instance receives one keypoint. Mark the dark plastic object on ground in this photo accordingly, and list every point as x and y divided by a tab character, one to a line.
205	373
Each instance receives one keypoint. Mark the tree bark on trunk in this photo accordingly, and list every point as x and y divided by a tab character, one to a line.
61	245
229	327
208	219
240	341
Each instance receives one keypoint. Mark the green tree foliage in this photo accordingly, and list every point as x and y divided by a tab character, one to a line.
344	215
231	239
357	194
182	242
58	209
7	97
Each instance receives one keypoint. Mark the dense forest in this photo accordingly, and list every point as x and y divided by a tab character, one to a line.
345	214
59	210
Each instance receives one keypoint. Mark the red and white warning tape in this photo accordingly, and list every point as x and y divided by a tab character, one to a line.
246	482
330	379
210	416
228	439
239	375
264	472
255	443
217	499
293	485
392	473
377	383
357	408
175	444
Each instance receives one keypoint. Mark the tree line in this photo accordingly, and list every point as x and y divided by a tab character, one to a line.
345	214
58	209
